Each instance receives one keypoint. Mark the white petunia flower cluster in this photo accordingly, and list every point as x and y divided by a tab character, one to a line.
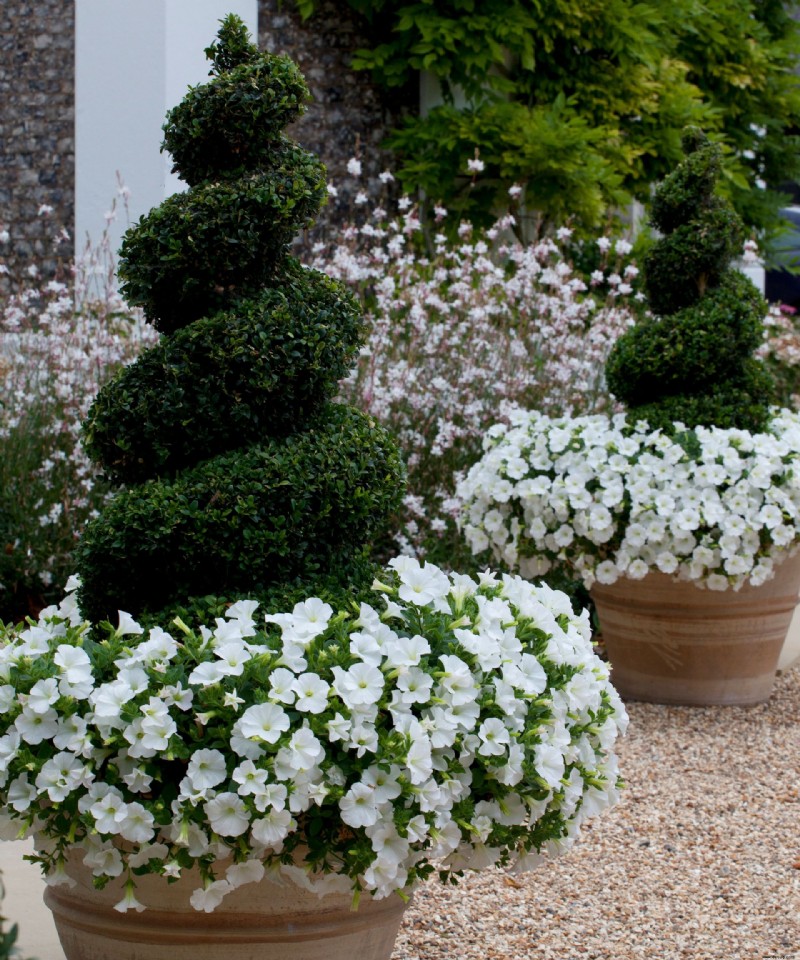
605	498
448	724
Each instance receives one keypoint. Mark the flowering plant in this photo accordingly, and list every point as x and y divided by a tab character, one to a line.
60	341
611	497
448	724
462	324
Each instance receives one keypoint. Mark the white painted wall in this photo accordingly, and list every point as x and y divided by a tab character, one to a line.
134	59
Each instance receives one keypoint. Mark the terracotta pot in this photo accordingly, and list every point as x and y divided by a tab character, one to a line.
672	642
257	921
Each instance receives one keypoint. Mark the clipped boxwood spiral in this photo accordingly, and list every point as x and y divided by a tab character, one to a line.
693	362
237	472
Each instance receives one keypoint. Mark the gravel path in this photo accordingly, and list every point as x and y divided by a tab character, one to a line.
699	861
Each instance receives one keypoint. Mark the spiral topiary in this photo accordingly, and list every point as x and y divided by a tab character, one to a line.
236	471
693	362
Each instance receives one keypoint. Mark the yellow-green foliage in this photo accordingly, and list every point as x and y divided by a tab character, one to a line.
583	101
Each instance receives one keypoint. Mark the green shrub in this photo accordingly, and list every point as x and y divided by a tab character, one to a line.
586	99
226	380
242	477
694	362
302	505
201	251
230	124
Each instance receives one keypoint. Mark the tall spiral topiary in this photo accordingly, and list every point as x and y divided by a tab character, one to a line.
693	361
236	471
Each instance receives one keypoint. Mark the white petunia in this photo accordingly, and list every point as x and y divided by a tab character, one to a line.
43	695
109	811
206	769
281	685
36	727
549	762
494	737
359	806
227	814
60	775
273	828
360	684
312	693
138	823
264	721
208	898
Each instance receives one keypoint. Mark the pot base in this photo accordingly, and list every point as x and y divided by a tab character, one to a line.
671	642
258	921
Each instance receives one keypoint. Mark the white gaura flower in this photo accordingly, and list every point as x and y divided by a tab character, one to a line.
227	815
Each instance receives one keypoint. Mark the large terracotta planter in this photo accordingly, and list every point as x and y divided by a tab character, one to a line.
258	921
671	642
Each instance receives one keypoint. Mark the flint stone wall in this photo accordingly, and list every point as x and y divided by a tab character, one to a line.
37	113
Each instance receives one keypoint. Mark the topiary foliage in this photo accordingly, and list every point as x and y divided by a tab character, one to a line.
693	361
241	475
276	357
221	240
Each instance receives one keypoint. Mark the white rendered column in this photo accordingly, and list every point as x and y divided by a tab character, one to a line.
134	59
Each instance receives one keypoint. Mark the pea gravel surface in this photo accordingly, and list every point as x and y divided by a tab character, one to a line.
700	860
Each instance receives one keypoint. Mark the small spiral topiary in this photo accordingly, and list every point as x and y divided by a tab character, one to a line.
237	472
693	362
